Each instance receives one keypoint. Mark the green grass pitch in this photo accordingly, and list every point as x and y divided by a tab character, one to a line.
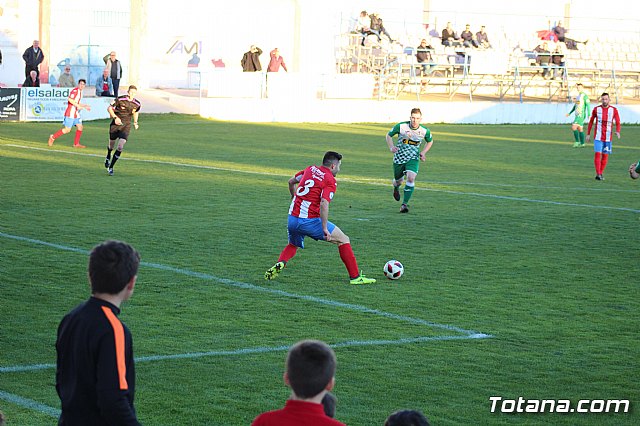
509	238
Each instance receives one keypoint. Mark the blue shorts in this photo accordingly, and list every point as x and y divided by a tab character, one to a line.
603	147
70	122
298	228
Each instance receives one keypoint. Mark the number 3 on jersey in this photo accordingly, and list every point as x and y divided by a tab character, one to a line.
303	190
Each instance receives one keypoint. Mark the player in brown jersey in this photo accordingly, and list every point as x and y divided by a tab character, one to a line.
122	110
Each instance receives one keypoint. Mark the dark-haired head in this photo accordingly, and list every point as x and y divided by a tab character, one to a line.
311	366
407	418
329	402
331	157
112	265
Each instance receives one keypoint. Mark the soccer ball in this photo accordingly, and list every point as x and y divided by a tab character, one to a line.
393	269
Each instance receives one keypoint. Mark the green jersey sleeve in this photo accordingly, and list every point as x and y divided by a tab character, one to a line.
395	130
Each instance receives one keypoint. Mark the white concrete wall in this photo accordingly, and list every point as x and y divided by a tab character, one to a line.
293	110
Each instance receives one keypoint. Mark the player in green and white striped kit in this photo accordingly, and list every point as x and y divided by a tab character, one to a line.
582	112
407	153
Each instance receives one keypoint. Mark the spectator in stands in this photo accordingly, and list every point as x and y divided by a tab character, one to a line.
251	60
449	36
423	55
33	57
407	418
329	402
377	27
560	33
104	85
468	38
310	372
66	78
543	58
115	70
32	80
363	26
276	61
557	61
483	39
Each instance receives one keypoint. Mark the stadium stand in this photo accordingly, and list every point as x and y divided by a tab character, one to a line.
506	71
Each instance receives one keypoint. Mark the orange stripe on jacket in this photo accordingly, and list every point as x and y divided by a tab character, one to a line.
118	334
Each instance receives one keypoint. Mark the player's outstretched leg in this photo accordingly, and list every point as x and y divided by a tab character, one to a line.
273	272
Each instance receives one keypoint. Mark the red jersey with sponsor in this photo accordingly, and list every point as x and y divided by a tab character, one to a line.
73	111
604	118
315	183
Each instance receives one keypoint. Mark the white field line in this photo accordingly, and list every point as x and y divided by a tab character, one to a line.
465	334
385	182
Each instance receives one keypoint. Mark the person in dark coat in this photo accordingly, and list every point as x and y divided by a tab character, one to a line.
33	57
251	60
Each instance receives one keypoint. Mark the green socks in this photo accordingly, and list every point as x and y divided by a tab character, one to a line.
408	192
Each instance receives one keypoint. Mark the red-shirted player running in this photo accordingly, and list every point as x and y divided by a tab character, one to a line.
311	191
72	115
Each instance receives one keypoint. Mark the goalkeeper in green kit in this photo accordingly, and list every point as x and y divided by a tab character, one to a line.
407	154
582	111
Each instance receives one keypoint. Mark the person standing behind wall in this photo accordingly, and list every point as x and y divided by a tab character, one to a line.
276	61
251	60
115	70
33	57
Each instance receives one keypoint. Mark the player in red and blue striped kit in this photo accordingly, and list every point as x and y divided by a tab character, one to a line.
312	190
603	115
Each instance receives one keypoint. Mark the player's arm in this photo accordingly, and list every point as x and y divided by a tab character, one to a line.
112	114
429	139
572	109
324	217
77	104
389	138
293	182
591	120
616	117
587	107
112	392
135	120
423	153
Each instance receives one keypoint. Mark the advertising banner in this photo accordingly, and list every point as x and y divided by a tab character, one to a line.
45	104
9	104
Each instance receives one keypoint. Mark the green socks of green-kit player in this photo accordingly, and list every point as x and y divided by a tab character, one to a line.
408	192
